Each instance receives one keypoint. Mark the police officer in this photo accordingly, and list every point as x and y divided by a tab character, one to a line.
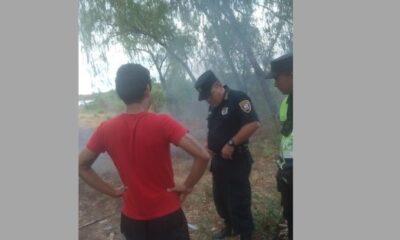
231	121
282	72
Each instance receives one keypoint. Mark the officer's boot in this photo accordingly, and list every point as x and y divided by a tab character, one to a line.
227	231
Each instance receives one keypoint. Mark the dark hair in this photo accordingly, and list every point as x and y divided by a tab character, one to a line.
131	82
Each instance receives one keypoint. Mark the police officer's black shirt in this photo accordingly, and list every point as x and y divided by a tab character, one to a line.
225	120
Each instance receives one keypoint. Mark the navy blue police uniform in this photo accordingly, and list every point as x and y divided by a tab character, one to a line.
231	185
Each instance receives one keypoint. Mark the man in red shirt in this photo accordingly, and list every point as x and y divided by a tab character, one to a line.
138	142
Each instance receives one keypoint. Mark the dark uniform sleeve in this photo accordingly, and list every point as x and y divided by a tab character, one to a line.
245	109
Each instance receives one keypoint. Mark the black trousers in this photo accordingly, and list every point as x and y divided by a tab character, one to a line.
232	190
170	227
284	179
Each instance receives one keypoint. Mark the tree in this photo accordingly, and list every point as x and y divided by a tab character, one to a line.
232	30
135	25
237	39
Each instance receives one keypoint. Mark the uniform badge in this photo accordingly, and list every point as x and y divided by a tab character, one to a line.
245	105
224	111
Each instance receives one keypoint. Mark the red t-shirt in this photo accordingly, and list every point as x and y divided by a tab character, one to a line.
139	145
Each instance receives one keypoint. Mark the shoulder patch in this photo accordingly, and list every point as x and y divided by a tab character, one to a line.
245	105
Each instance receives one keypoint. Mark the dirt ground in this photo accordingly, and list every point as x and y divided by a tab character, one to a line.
99	214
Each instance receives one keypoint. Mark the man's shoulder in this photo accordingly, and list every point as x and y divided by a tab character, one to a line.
151	118
162	115
110	121
237	95
116	120
163	118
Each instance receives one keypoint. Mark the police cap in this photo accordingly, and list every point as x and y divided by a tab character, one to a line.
282	64
204	84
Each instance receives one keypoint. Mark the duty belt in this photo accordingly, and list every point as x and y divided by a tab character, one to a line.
240	148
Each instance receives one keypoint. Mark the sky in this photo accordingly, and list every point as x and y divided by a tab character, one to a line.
89	83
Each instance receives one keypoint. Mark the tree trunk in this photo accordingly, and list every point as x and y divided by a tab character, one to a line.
225	51
169	51
273	107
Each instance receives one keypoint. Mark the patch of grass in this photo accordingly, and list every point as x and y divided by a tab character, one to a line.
267	215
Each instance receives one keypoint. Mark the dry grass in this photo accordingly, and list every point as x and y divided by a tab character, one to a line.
200	210
198	207
88	120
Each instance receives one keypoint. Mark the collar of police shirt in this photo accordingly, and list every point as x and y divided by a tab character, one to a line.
225	97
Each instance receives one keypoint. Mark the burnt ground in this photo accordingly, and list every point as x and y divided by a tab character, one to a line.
99	214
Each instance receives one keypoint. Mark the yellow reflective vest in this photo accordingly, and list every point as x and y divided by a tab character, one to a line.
286	148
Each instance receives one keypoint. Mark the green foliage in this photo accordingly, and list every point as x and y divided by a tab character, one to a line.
267	215
150	17
236	39
158	97
230	37
137	25
107	102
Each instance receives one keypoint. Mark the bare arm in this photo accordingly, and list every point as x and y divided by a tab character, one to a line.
244	133
86	159
201	158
